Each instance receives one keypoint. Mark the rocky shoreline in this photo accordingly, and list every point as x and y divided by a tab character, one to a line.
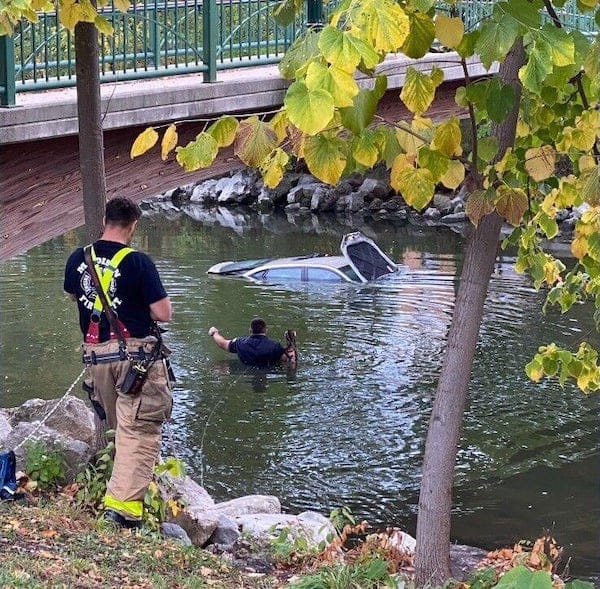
224	528
301	194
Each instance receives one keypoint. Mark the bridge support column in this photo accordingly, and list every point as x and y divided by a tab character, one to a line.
7	71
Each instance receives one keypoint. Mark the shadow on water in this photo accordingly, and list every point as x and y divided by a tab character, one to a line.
349	427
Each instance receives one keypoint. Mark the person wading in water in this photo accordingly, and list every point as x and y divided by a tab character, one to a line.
258	349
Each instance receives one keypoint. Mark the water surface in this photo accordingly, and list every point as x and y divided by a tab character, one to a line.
349	427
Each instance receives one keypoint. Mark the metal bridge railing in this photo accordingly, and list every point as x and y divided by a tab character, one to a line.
168	37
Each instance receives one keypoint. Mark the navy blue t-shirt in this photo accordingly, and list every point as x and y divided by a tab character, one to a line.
134	287
256	350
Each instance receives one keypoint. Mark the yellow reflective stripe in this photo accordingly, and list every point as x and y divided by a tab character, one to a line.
106	274
131	509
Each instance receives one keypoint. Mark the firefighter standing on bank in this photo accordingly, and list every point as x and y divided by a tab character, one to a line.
132	288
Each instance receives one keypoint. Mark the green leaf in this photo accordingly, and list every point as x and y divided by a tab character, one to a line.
296	59
286	12
466	47
364	149
254	142
434	161
309	110
340	84
538	66
419	90
496	38
420	37
199	153
325	158
224	130
561	43
521	577
387	143
523	11
359	116
487	148
415	185
339	49
548	224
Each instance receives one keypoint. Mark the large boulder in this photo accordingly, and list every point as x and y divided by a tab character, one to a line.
248	504
69	416
76	453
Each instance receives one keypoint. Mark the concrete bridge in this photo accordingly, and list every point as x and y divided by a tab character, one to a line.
40	186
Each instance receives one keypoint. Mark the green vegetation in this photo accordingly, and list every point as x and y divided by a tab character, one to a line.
46	467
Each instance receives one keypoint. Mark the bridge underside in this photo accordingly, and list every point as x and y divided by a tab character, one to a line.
40	187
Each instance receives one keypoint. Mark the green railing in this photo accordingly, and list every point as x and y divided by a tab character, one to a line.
169	37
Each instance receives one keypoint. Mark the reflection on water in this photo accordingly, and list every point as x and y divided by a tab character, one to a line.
349	426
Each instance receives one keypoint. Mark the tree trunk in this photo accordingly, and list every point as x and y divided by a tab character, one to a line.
91	147
91	139
432	558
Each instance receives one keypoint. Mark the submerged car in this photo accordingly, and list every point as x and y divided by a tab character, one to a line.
361	261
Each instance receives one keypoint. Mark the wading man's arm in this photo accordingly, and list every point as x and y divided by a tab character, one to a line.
219	339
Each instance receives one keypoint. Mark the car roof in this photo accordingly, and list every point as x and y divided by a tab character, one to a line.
302	261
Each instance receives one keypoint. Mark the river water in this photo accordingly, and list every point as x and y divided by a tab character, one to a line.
349	427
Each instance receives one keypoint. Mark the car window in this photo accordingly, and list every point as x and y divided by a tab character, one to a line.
350	273
323	275
282	274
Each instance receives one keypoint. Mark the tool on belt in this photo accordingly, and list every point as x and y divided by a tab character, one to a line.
140	362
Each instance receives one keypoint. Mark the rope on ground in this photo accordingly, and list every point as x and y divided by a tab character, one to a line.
30	435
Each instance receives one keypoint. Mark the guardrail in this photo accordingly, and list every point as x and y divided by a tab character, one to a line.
158	38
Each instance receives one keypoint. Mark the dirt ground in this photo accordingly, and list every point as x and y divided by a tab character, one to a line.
40	184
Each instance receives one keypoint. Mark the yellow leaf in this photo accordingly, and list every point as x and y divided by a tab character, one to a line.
586	162
169	141
579	247
340	84
447	138
273	168
174	506
103	25
70	14
223	130
199	153
122	5
415	185
364	149
144	141
325	158
454	176
279	124
449	30
540	162
419	90
254	142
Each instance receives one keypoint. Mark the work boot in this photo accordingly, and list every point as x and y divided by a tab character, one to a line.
110	515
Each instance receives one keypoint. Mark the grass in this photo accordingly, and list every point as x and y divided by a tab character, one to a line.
53	545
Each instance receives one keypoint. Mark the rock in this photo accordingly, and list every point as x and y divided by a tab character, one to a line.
198	524
5	427
432	214
464	559
205	192
314	527
322	200
372	189
442	203
227	532
238	189
170	530
402	541
249	504
71	418
77	454
395	203
454	218
193	495
376	204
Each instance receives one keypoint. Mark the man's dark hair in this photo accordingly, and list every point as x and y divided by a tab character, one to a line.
258	325
122	212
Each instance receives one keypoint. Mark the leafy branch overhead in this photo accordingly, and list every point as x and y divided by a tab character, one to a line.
329	120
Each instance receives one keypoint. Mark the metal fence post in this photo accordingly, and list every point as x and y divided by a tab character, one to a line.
314	12
209	39
7	71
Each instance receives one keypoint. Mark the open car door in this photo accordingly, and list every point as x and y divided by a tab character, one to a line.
365	257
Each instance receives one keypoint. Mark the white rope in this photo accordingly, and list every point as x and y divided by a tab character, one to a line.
41	423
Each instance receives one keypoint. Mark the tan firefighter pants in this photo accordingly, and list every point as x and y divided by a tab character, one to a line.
137	420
